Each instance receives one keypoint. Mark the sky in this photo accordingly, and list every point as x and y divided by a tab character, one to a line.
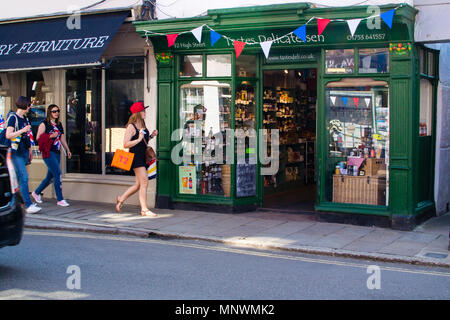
165	8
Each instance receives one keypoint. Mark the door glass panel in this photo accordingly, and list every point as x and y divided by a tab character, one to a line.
204	117
357	165
246	143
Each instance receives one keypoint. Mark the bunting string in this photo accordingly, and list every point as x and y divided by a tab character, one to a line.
300	32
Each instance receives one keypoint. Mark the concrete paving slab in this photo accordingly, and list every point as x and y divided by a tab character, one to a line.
419	237
440	243
265	223
285	229
384	236
404	248
364	246
322	229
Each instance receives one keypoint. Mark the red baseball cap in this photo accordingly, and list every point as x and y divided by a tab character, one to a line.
137	107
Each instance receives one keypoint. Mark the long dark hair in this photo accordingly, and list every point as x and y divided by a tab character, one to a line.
48	118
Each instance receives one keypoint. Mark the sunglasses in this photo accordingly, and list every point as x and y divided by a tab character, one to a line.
55	111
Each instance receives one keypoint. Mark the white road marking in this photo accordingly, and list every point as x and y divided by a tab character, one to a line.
233	250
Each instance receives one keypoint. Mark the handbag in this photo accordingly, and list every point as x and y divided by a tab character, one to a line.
122	160
150	154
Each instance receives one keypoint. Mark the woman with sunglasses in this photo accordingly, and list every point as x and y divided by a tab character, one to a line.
53	130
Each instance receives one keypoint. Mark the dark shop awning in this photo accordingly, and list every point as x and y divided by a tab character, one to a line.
61	42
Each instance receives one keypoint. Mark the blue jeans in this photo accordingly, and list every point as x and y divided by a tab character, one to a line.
19	160
54	172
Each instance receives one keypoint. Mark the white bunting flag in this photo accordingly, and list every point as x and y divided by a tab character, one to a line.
266	47
333	100
367	100
197	32
353	24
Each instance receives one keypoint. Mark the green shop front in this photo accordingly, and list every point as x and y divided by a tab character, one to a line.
273	107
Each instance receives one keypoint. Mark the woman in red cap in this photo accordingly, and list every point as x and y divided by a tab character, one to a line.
136	139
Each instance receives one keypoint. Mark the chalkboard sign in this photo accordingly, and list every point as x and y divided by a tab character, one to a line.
245	180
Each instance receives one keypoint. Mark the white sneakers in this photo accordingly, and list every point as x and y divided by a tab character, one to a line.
33	208
37	198
62	203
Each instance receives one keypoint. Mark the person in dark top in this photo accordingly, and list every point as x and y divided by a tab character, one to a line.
18	130
55	131
136	139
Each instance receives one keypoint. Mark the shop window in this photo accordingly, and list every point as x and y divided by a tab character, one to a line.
37	113
373	60
430	62
340	61
218	65
83	120
191	66
124	86
426	107
205	108
422	61
246	66
358	141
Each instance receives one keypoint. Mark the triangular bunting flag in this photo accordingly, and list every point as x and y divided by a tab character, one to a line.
367	100
197	32
215	37
321	25
356	100
344	100
171	39
301	32
266	47
353	24
238	47
333	100
388	17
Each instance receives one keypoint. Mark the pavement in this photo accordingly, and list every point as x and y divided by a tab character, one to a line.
427	244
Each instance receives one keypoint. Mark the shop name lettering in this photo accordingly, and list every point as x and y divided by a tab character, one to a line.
53	45
288	39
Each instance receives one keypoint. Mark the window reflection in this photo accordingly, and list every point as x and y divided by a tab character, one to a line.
83	120
191	66
218	65
374	60
204	117
124	86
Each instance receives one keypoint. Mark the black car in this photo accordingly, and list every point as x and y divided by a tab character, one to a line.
12	213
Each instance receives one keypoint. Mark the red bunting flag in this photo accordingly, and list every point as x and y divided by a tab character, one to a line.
321	24
238	47
356	100
171	39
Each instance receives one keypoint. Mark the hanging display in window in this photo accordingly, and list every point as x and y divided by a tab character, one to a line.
358	127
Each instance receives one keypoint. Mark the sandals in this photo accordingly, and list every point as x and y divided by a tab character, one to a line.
119	204
148	213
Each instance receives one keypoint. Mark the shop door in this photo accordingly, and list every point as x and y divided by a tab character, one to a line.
289	106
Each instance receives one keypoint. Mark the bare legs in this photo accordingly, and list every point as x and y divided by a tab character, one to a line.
140	186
